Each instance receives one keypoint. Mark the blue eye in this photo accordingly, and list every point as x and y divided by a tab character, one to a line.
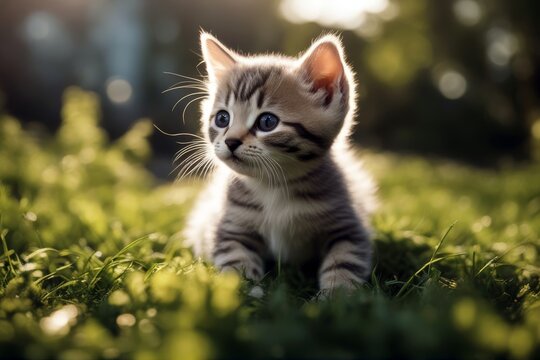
222	119
267	122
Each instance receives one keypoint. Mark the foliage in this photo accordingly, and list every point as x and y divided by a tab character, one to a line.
457	78
92	265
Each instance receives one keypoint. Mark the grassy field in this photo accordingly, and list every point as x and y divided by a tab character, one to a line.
92	264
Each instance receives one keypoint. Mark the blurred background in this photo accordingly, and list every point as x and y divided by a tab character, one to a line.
456	78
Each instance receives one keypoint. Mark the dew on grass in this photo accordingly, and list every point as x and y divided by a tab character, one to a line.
119	298
30	216
59	322
126	320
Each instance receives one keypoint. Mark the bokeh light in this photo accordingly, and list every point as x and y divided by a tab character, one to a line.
39	25
119	90
121	50
126	320
468	12
452	84
344	14
58	322
501	46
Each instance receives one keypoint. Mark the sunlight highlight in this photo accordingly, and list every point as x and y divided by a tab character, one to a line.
126	320
59	322
343	14
502	45
452	84
468	12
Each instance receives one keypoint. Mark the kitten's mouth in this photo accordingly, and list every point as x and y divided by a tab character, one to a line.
235	159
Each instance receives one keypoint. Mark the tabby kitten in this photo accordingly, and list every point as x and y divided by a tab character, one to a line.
291	188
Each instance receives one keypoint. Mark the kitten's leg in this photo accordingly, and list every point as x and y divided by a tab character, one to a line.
347	257
240	250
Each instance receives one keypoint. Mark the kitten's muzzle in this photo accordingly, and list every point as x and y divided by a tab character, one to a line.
233	144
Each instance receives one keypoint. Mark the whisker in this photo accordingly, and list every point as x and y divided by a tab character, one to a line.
184	76
284	176
186	96
196	150
188	159
187	150
266	171
186	82
199	166
177	134
198	162
189	144
196	140
279	171
176	168
258	165
174	87
208	167
189	103
199	64
269	170
190	147
194	160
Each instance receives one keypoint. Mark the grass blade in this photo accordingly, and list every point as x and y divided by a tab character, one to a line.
432	261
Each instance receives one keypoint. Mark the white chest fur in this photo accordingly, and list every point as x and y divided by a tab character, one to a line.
289	237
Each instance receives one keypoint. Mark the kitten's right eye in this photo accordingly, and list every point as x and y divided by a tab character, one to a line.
222	119
267	121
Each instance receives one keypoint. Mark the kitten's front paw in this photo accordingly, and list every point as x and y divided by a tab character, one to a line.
322	295
336	285
256	292
328	293
249	272
341	274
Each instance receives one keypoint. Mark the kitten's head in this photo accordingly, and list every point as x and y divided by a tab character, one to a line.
273	116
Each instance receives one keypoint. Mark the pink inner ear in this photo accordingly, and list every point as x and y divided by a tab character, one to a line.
218	58
324	69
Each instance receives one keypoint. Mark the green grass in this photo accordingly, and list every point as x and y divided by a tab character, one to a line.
92	263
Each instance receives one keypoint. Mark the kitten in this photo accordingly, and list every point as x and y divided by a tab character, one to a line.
291	188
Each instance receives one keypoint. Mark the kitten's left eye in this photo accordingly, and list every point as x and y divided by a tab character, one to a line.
222	119
267	122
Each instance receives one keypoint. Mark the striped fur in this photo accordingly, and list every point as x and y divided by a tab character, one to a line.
295	193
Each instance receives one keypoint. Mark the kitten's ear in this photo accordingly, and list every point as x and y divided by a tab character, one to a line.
217	57
324	66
